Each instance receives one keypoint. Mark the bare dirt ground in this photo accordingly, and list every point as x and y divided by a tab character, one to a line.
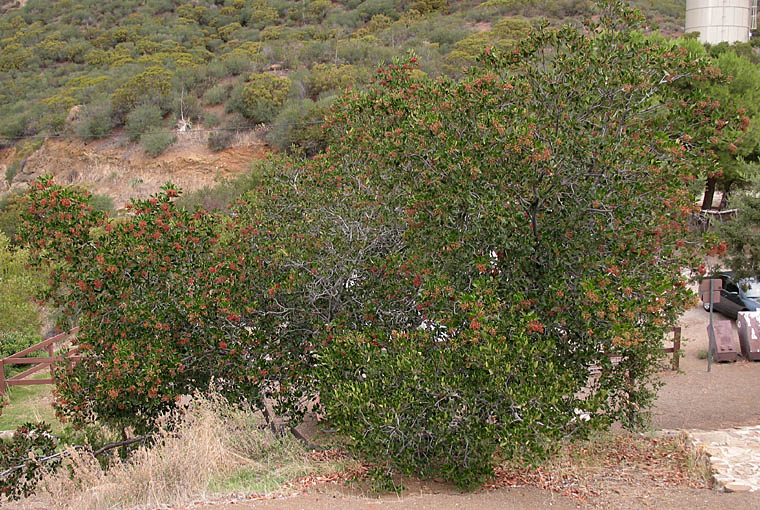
692	399
695	399
121	170
528	498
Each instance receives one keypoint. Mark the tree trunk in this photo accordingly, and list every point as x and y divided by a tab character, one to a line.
724	198
709	193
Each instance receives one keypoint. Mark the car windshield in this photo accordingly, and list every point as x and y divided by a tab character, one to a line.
751	288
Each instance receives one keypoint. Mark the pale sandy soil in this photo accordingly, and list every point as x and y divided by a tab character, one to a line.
695	399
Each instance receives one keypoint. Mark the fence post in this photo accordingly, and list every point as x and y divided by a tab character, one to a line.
40	362
676	348
2	378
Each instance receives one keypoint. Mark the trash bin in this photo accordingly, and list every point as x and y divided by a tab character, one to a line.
725	345
749	334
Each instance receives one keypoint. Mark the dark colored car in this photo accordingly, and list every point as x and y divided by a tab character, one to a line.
736	296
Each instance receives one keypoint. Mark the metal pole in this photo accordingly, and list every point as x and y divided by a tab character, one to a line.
710	331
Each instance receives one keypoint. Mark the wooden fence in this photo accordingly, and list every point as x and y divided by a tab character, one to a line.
71	357
676	349
40	363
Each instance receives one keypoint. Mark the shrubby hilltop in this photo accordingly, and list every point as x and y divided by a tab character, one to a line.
151	65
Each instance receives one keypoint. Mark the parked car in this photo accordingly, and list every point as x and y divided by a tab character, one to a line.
736	296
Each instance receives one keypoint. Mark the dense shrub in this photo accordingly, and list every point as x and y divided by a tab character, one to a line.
299	125
446	37
103	203
511	28
363	51
14	125
211	120
152	85
738	237
737	160
445	407
30	442
263	96
443	239
186	106
14	341
426	6
19	316
11	170
96	121
370	8
217	94
156	142
503	36
673	8
235	102
143	118
434	262
216	69
237	63
10	215
316	10
167	299
332	78
220	140
53	57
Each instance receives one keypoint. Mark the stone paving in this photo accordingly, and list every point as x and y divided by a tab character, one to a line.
734	456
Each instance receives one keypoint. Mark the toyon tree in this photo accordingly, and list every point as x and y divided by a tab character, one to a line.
497	260
166	300
738	238
471	270
738	160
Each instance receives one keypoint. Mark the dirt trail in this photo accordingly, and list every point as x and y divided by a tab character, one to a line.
524	498
695	399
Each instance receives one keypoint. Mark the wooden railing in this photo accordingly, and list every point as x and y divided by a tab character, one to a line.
675	361
676	349
40	363
706	218
71	357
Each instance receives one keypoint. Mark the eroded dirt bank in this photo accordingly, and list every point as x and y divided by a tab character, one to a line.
122	170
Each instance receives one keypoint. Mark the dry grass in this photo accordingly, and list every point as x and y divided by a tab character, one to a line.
213	451
589	470
208	448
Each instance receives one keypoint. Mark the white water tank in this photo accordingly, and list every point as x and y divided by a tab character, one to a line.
721	20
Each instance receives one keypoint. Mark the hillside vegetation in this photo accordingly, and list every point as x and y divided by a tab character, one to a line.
151	65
